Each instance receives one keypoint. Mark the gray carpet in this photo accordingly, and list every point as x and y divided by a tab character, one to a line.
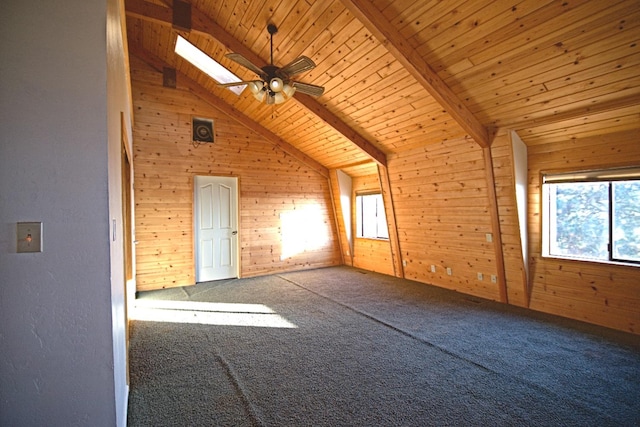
372	350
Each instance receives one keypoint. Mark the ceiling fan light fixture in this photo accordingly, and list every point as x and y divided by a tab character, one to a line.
276	84
279	98
260	95
288	90
255	87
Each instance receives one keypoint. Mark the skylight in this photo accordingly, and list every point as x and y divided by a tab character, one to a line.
207	64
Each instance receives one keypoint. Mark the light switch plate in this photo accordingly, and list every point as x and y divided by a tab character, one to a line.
29	237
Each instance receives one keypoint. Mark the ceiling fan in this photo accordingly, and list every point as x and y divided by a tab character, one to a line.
275	85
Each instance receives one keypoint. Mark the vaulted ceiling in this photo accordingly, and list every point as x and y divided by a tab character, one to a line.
400	74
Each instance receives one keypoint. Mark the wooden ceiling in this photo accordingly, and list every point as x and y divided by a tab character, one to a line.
400	74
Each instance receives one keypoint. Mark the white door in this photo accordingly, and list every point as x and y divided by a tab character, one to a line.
216	227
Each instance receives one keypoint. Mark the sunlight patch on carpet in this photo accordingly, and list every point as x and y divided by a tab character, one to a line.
209	313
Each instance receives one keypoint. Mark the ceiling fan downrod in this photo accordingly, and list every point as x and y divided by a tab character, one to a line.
272	29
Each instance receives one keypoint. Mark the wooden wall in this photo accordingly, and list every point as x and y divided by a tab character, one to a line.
442	211
443	216
370	254
603	294
278	195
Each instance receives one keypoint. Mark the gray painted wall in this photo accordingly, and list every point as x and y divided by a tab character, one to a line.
60	363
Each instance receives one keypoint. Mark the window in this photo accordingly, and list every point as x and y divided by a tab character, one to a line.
206	64
371	221
593	215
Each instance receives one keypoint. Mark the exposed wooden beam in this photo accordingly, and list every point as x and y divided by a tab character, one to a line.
203	25
341	127
382	29
495	224
149	11
336	204
347	164
201	92
389	207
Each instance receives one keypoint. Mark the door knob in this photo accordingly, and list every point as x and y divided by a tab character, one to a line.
234	232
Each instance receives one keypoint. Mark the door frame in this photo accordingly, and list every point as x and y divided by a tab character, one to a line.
236	255
127	232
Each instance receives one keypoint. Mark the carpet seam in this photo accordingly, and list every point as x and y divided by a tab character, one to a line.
442	350
254	412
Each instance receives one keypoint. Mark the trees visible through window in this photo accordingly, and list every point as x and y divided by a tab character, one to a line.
371	221
592	215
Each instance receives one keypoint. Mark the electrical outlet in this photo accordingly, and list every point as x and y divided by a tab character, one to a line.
404	262
449	271
480	277
489	237
433	268
494	278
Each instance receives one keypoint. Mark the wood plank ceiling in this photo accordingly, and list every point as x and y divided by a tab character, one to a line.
400	74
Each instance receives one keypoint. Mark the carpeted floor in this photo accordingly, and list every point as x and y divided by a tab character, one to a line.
345	347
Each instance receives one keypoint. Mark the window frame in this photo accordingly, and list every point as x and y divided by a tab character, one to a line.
608	176
359	223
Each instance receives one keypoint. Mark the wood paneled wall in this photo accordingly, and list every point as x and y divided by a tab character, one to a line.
603	294
442	206
370	254
278	196
441	200
442	214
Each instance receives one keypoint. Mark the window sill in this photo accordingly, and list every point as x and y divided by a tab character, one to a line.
592	261
377	239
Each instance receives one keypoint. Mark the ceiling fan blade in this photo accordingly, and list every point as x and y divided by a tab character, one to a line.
297	66
308	89
238	83
236	57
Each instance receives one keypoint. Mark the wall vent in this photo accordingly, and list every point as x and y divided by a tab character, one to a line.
202	130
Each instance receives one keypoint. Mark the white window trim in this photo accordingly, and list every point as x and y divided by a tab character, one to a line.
583	176
358	223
